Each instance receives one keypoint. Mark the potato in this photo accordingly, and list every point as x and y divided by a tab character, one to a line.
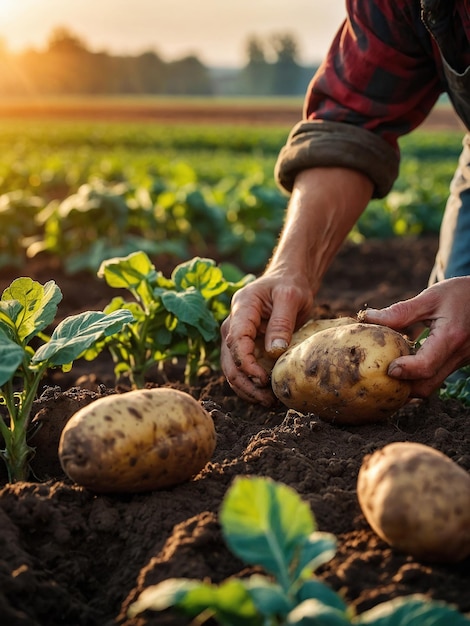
315	326
417	500
340	374
268	359
137	441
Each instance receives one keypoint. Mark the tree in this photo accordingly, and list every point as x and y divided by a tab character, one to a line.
288	73
189	77
62	41
256	75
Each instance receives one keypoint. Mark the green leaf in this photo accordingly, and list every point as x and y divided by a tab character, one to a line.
458	389
11	355
314	613
412	611
190	308
266	523
203	274
268	597
317	549
77	333
9	311
313	589
229	602
127	272
39	305
166	594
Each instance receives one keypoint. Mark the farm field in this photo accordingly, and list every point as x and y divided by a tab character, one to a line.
278	111
74	558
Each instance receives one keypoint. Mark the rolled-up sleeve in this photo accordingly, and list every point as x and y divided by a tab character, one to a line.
379	80
334	144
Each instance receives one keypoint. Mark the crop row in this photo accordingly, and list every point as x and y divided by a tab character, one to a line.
90	191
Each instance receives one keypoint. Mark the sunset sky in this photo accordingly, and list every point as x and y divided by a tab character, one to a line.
215	30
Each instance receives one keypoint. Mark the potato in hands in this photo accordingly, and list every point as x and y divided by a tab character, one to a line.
340	373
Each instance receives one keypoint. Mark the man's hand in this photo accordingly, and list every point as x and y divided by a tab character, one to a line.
272	306
324	205
445	308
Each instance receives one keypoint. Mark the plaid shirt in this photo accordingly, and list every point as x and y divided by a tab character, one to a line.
386	67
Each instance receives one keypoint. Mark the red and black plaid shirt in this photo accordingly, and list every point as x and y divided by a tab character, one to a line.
387	66
385	70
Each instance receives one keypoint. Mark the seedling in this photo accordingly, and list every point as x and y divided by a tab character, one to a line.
175	318
267	524
27	308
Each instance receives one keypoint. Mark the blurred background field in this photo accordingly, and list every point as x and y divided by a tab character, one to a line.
86	179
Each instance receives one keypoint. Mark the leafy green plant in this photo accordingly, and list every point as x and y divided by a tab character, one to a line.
267	524
27	308
97	222
254	216
457	388
18	210
177	317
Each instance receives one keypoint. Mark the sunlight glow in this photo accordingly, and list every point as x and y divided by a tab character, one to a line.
173	28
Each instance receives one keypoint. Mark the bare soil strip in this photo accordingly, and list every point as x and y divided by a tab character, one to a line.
179	112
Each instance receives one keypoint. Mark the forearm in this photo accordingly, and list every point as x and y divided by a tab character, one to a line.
325	205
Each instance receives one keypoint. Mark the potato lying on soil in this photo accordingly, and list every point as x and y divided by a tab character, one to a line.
137	441
417	500
340	374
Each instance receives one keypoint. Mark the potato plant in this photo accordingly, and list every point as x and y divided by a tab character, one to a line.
27	308
174	318
182	185
268	525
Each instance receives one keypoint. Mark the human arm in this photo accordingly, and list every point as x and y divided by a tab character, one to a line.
325	204
343	153
445	308
379	81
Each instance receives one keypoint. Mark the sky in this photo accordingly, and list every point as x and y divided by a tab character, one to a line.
214	30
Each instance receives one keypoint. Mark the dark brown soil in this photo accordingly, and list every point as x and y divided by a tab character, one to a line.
70	557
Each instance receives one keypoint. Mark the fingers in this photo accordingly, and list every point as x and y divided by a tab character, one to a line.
251	382
266	308
444	351
290	309
241	369
449	299
445	309
404	313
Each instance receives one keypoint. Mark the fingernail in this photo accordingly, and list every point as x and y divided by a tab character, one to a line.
278	347
395	370
278	344
373	312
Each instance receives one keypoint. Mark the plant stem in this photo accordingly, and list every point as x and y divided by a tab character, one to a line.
17	452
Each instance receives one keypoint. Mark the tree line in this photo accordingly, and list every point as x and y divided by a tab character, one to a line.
68	67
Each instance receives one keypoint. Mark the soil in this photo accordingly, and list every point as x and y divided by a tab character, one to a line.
206	111
74	558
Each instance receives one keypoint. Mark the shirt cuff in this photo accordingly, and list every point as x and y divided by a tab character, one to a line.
335	144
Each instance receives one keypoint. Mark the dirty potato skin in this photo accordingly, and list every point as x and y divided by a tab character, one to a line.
137	441
417	500
340	374
268	359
